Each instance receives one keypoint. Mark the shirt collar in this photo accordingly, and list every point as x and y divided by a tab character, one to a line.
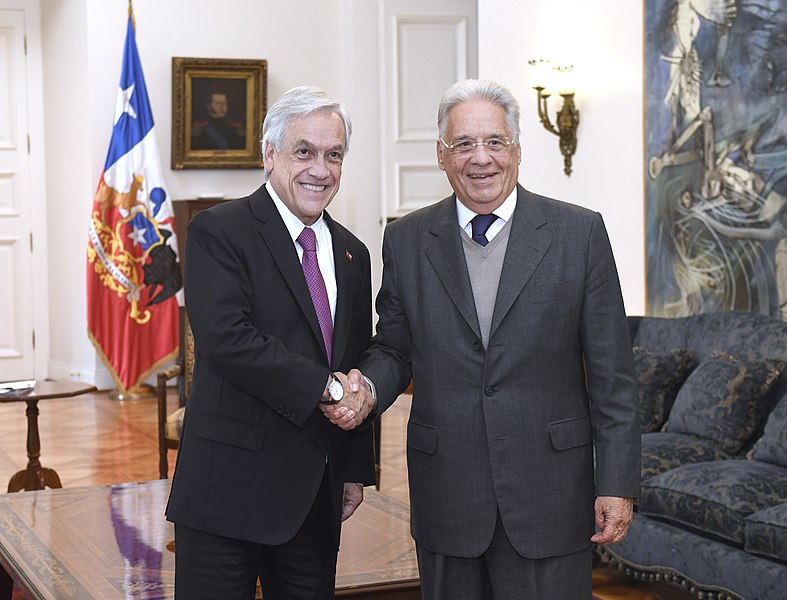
504	212
293	223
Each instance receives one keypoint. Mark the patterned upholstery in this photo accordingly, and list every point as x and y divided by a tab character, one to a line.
714	497
772	446
718	401
663	451
766	533
712	514
174	426
660	375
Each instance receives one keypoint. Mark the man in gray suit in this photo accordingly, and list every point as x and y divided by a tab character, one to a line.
505	309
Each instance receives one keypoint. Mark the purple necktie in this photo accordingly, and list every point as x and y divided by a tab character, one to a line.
481	224
311	270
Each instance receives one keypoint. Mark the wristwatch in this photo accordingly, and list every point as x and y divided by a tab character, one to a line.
335	391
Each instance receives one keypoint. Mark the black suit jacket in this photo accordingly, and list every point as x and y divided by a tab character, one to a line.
254	444
537	423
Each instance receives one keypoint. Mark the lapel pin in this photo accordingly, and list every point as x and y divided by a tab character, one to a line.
348	256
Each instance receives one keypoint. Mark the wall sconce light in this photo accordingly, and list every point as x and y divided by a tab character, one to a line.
567	118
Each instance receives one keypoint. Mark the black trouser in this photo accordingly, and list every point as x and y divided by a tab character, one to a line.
209	566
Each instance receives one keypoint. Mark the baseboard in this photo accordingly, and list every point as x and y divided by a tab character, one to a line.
98	376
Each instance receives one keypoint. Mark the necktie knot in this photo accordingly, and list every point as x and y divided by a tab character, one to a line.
308	240
480	225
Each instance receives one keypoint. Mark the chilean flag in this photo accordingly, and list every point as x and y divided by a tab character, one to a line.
133	275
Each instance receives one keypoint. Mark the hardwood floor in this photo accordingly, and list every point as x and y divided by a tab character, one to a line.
93	440
88	439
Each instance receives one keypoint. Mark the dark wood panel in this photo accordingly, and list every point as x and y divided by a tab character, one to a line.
184	212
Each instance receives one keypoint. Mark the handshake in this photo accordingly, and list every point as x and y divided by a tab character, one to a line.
356	403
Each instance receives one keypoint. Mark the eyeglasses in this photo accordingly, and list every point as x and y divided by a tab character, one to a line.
493	145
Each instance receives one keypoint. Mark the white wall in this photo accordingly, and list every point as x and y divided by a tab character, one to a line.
325	43
83	48
603	39
68	128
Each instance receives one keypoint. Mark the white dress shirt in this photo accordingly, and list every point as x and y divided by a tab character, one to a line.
464	215
324	245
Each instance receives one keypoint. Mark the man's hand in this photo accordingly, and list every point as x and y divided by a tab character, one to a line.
356	404
613	517
339	414
353	496
356	383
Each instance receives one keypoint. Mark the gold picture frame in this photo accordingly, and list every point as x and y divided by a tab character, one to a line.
218	106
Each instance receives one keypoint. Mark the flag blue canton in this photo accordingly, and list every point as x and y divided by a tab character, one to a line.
136	119
143	231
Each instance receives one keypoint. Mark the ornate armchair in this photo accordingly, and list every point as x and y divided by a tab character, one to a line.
171	423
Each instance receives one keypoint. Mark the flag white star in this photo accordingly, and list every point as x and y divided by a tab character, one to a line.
137	235
124	104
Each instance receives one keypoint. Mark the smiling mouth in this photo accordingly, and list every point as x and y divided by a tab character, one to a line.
482	176
314	188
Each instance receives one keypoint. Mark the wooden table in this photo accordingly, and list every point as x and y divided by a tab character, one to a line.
110	542
36	477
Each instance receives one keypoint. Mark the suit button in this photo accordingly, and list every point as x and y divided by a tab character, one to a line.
490	391
321	443
477	345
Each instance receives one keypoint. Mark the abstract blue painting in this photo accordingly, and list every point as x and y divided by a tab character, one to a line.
716	156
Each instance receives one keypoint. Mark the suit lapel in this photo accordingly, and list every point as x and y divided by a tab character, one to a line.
342	261
527	243
277	238
447	256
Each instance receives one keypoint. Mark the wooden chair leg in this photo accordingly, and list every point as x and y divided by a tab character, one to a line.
161	393
377	434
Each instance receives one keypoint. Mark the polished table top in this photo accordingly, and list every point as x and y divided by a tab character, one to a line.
46	390
111	542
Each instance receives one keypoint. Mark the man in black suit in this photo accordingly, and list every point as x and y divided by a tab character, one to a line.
279	296
505	309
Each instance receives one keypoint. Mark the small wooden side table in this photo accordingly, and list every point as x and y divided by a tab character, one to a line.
36	477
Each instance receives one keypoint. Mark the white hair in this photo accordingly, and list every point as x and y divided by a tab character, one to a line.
298	102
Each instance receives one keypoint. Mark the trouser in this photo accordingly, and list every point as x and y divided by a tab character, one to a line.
501	573
209	566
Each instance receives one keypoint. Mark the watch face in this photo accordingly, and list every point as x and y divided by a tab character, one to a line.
336	391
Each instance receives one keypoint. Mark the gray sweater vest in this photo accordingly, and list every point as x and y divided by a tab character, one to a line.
484	264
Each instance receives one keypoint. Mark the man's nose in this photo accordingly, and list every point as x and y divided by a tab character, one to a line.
480	154
319	167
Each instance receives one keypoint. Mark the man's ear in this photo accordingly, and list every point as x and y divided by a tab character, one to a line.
439	149
267	155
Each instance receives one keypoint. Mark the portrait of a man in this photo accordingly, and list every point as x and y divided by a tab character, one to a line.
218	105
218	114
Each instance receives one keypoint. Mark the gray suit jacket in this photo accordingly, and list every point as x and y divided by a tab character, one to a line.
537	424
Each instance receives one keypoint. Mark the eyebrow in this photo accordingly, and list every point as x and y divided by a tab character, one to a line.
303	142
467	136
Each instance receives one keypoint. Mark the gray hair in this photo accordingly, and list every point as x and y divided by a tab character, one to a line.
298	102
479	89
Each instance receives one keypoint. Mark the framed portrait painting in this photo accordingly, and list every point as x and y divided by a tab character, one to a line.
218	106
715	97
